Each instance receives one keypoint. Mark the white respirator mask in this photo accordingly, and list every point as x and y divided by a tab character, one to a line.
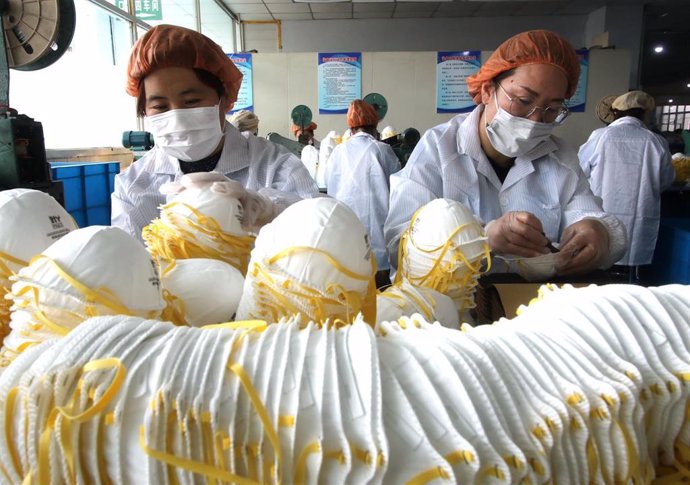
513	136
190	134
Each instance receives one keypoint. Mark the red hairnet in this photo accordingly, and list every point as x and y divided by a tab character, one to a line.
172	46
360	113
533	47
297	129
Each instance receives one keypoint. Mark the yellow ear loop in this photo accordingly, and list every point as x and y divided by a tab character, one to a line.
278	304
108	300
5	304
178	243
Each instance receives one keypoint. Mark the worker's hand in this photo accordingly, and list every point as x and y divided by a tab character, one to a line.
517	233
584	248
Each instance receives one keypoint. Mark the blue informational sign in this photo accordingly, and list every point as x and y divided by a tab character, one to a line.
340	81
452	69
577	102
245	97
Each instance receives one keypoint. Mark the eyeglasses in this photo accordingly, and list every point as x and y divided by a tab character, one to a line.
524	108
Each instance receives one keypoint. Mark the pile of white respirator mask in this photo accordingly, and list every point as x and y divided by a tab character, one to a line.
404	300
204	217
314	260
33	220
445	249
97	270
586	385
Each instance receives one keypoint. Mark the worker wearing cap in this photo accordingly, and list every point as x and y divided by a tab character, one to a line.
358	174
305	134
184	84
502	161
628	166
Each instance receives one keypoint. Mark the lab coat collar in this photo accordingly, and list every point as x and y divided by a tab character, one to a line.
235	155
628	120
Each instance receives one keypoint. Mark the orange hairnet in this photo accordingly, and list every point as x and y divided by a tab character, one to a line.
297	129
533	47
172	46
360	113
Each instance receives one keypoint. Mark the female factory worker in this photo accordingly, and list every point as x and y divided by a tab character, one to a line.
502	162
184	85
358	174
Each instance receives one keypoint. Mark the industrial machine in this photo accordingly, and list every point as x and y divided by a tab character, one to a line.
35	35
402	143
301	116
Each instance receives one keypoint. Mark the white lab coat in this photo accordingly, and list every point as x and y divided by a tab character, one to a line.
449	162
328	144
358	174
628	166
310	159
254	162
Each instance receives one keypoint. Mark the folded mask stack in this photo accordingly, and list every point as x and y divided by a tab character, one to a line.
98	270
587	385
313	260
33	220
444	249
404	300
203	218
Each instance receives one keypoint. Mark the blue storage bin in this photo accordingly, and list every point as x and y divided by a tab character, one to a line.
671	263
87	189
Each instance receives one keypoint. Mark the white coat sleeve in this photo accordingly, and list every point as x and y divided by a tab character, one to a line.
417	184
122	209
587	155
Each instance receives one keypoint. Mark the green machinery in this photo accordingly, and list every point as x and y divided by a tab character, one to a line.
35	35
301	116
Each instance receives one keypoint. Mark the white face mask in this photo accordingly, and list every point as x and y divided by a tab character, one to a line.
513	136
190	134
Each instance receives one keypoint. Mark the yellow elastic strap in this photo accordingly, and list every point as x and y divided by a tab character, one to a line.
191	465
338	455
250	324
514	462
260	409
44	476
9	415
91	295
460	456
492	471
252	452
301	465
306	249
4	269
361	455
286	421
108	395
429	476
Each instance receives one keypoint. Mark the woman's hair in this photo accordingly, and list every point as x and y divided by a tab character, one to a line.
204	76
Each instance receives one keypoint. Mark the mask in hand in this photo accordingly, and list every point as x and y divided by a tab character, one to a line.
190	134
513	136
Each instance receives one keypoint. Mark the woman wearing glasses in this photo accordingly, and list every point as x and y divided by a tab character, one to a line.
502	161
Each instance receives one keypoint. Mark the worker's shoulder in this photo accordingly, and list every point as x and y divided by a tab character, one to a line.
564	153
448	129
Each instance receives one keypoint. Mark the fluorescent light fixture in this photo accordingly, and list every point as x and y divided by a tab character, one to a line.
688	85
659	49
670	101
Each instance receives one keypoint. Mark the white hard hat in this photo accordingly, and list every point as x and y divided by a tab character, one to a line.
388	132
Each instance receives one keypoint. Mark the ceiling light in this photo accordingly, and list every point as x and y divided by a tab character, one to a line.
688	85
670	101
659	49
